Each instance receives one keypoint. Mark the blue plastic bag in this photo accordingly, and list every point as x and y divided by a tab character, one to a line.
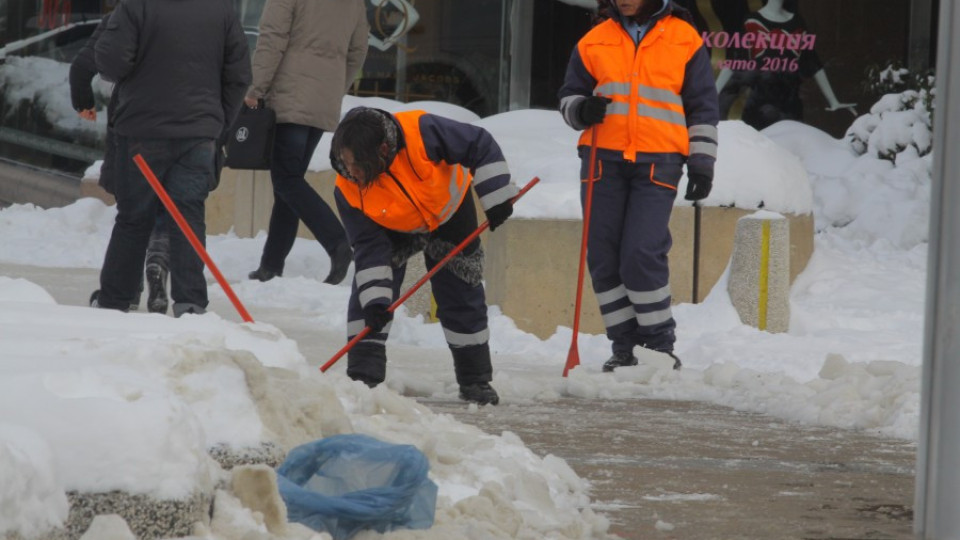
345	483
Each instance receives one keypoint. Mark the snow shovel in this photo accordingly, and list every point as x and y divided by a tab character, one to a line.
573	356
188	232
403	298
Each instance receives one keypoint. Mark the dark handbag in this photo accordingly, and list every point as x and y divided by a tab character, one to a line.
250	139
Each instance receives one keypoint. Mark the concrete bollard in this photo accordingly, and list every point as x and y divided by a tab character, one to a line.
759	282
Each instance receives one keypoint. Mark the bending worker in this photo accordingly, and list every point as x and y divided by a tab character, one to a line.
403	186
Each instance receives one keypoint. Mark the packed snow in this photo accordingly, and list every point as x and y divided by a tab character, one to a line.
95	400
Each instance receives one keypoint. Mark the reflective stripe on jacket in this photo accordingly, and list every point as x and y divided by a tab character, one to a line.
415	194
664	96
433	151
644	82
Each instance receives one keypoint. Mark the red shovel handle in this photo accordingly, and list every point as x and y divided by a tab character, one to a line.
573	355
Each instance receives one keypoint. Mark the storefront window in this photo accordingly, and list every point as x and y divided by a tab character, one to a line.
441	51
4	32
803	60
38	125
814	61
419	50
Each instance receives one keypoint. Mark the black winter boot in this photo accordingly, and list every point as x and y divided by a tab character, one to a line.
262	274
474	373
619	359
367	363
677	364
156	289
339	263
135	303
480	393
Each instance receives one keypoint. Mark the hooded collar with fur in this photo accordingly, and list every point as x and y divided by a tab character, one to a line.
392	136
609	9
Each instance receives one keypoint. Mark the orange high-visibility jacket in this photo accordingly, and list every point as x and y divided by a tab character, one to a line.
415	194
644	82
663	91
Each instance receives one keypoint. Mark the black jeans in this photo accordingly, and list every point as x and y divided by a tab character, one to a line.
185	168
293	198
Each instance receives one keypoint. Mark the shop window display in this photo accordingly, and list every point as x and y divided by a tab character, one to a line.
803	60
776	52
419	50
437	51
458	52
38	125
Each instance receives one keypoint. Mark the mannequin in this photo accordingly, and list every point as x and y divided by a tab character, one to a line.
775	94
408	14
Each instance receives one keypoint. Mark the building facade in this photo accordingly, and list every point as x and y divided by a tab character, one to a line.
491	56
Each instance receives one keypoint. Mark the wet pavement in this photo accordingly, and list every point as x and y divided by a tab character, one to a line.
673	469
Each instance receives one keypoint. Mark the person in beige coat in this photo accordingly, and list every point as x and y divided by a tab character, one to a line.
307	56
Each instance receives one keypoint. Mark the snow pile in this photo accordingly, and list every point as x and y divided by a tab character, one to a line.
95	401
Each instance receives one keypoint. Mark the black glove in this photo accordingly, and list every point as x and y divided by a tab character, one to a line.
496	215
376	317
593	109
699	183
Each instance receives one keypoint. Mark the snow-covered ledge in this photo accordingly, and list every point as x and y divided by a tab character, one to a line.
532	268
532	262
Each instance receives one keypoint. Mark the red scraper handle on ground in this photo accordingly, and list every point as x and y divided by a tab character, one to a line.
188	232
573	355
403	298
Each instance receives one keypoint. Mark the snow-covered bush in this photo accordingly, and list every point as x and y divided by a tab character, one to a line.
900	124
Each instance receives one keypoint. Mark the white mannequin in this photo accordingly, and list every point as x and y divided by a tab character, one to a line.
410	18
773	10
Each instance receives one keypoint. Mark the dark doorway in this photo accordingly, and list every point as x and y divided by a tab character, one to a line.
556	29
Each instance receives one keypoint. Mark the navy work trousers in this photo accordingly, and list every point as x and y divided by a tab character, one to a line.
627	247
461	308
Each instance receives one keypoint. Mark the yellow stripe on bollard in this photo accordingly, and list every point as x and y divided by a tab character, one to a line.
432	315
764	275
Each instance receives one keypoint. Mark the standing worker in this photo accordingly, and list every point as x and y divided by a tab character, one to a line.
642	78
402	187
83	69
181	68
307	56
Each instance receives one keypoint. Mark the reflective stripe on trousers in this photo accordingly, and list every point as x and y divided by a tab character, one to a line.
628	242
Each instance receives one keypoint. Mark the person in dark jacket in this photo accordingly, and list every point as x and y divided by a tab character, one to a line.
403	185
181	68
641	79
83	69
308	54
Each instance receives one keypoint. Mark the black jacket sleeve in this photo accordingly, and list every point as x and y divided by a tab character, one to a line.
372	252
474	148
236	76
83	69
116	48
578	83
